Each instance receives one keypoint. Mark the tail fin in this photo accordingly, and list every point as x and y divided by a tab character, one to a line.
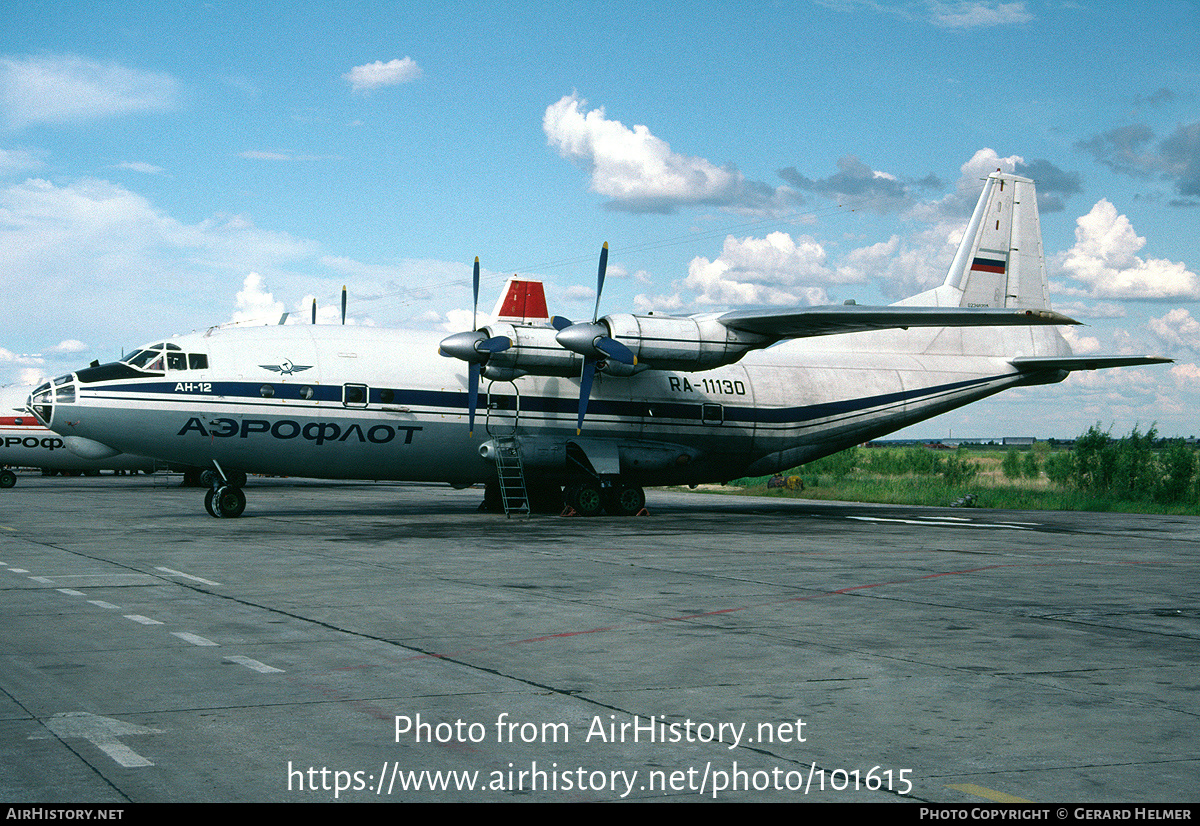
1000	262
522	302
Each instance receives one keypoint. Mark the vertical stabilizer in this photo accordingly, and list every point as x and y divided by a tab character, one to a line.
522	302
1000	261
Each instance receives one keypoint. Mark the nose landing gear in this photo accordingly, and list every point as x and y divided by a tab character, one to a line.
224	498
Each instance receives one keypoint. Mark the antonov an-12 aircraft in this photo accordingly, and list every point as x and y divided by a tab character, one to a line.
601	407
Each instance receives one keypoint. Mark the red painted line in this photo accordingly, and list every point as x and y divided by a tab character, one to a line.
683	618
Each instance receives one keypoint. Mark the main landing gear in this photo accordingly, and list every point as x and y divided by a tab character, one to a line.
224	498
592	497
589	497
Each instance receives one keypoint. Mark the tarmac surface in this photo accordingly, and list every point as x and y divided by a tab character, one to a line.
366	641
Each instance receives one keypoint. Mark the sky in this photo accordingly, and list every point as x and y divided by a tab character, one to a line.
165	167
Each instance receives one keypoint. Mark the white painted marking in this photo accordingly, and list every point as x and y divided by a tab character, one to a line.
942	523
99	603
101	580
102	732
194	639
124	755
142	620
173	572
71	592
262	668
19	571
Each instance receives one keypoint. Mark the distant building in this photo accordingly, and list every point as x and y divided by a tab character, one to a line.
1019	441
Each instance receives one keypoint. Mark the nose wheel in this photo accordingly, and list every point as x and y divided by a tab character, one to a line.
225	502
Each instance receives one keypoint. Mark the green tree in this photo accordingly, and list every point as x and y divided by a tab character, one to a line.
1178	465
1031	468
1011	464
1060	467
1095	460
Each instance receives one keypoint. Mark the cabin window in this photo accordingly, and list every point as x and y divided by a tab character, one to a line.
354	395
387	396
197	361
176	361
712	413
306	392
266	391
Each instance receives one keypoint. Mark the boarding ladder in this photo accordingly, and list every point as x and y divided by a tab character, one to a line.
511	472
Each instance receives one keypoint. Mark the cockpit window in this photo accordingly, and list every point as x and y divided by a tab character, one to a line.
144	359
160	357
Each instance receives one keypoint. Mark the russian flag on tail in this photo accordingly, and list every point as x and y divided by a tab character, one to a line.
996	265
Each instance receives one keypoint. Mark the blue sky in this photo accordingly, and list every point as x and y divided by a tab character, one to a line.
169	166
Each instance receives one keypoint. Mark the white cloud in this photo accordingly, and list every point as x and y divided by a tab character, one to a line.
93	261
254	302
1178	329
775	270
638	171
975	14
1187	375
18	160
144	168
961	202
1080	345
9	357
1103	259
68	88
379	74
643	303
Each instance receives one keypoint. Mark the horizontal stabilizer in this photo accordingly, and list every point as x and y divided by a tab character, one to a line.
1030	363
855	318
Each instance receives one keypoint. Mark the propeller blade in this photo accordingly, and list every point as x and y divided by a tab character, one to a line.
615	350
495	344
585	392
314	311
472	396
343	303
600	280
475	291
559	323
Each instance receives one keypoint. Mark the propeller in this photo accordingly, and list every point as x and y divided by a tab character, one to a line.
475	348
343	304
593	342
314	313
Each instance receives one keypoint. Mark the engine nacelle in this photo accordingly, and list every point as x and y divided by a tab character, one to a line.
534	351
681	343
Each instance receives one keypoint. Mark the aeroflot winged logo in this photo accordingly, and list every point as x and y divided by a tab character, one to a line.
285	367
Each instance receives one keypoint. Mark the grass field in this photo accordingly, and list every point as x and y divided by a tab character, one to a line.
871	475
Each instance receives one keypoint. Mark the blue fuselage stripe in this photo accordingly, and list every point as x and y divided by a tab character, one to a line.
242	393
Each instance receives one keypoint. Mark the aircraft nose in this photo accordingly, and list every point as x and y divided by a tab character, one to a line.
43	400
41	404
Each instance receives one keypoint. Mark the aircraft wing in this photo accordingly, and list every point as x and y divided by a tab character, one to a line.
1029	363
853	318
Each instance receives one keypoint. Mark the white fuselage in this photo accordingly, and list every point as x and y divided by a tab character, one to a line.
367	403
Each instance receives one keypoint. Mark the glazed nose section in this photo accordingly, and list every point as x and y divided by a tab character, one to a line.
42	401
41	404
